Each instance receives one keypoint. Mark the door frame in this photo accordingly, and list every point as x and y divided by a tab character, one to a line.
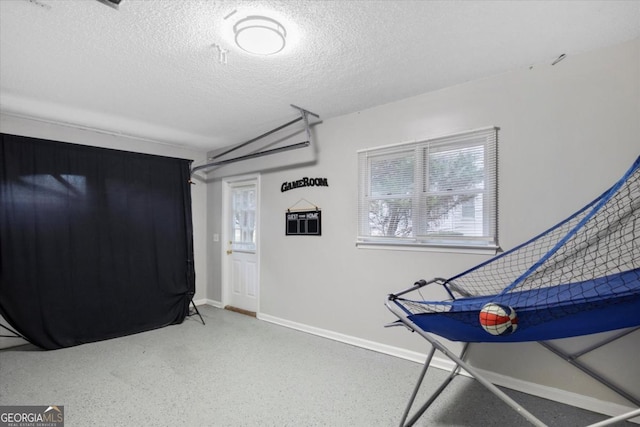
226	231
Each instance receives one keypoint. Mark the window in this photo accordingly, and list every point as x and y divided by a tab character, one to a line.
244	218
438	192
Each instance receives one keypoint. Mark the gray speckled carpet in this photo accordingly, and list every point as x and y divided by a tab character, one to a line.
239	371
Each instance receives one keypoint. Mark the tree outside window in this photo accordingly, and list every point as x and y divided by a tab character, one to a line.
435	192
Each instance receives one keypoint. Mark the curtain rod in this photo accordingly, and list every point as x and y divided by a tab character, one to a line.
257	138
252	156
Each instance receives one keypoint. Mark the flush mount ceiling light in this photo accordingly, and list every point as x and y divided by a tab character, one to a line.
260	35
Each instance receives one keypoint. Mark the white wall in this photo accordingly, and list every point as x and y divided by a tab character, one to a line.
37	129
567	132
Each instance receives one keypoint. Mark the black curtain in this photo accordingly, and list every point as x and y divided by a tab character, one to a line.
94	243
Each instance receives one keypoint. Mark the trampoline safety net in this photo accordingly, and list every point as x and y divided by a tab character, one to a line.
589	261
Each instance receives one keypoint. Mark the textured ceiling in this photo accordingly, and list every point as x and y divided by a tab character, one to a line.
151	69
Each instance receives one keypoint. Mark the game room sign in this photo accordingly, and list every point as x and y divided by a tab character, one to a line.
304	182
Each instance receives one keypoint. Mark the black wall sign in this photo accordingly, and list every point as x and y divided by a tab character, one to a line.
304	182
303	223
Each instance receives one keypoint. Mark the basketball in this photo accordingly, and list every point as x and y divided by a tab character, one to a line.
498	319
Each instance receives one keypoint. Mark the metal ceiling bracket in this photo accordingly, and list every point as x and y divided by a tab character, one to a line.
304	116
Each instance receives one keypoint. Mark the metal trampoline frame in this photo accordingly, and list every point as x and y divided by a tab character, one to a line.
460	363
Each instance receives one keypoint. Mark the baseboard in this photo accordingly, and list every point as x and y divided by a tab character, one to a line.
545	392
206	301
558	395
402	353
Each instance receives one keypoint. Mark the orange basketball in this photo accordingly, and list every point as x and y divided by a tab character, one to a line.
498	319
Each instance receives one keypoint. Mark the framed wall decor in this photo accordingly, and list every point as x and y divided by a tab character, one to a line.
303	223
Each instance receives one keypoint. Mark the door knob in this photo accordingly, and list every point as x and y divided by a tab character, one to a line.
229	251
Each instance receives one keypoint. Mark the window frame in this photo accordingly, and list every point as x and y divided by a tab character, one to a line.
420	239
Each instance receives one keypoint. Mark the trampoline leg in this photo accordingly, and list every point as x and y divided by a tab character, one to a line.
573	360
435	394
486	383
417	388
460	363
613	420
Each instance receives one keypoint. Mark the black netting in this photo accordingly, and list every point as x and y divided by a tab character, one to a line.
593	256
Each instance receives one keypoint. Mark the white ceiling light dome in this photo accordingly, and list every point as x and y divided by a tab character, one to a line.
260	35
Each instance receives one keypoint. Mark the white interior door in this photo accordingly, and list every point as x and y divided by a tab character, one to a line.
241	254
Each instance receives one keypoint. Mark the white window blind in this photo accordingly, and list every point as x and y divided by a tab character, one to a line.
437	192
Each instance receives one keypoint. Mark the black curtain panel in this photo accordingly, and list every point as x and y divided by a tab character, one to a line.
94	243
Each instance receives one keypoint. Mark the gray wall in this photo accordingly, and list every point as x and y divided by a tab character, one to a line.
567	132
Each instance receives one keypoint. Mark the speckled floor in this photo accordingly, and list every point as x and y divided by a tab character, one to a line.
239	371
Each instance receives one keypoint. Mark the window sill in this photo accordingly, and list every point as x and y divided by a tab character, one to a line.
415	247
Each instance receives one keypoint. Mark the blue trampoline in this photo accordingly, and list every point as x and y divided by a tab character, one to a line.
537	308
580	277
